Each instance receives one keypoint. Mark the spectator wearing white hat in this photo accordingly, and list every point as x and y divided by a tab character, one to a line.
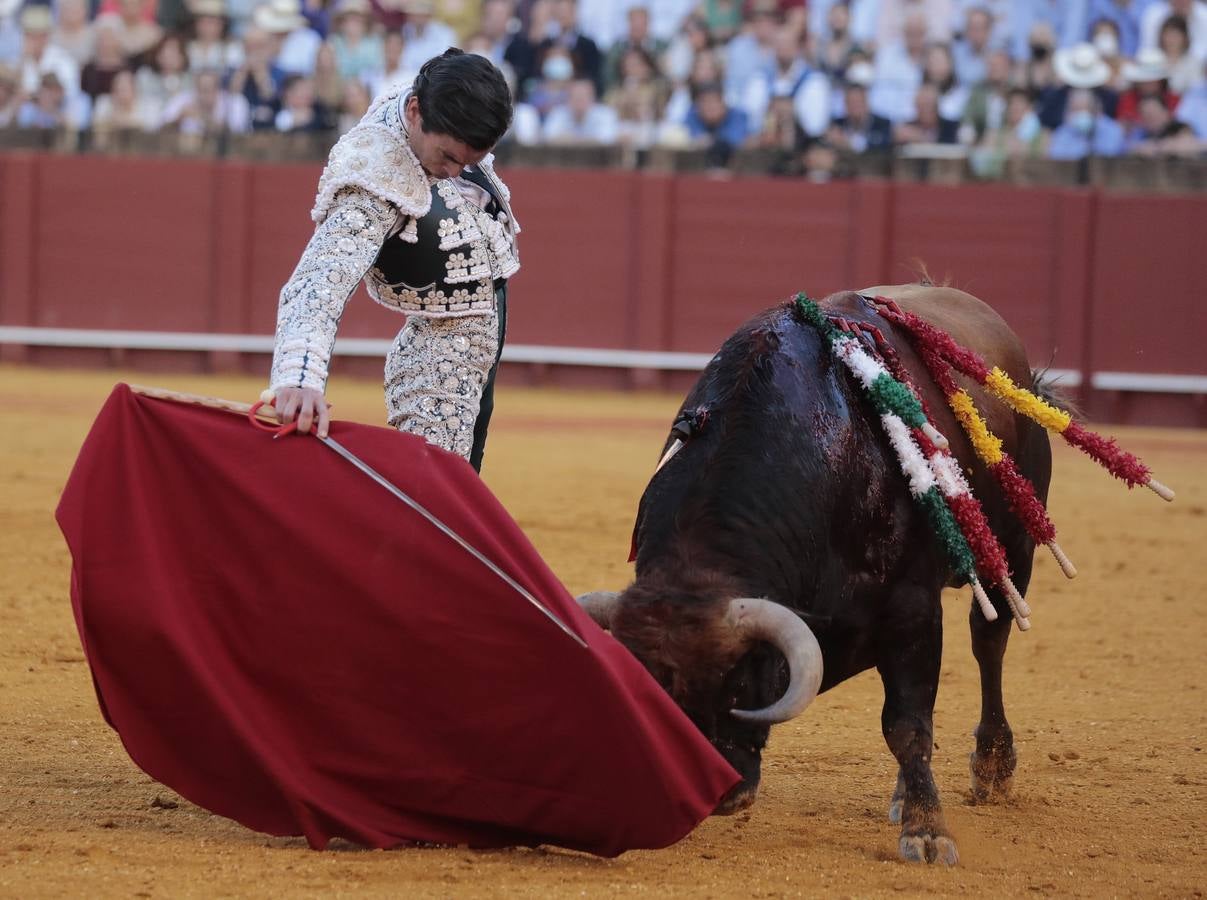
1078	67
39	57
73	32
358	51
1193	11
1085	131
211	46
295	43
259	79
425	35
1148	76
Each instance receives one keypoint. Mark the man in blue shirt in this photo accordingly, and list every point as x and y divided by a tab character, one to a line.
714	125
1085	131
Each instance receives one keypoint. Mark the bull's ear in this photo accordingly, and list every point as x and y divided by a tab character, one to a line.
600	606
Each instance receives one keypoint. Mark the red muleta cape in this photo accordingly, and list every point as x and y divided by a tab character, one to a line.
281	641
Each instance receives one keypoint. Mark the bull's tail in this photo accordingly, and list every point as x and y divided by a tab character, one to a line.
1047	387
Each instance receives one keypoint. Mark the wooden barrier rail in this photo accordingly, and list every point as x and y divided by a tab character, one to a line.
629	276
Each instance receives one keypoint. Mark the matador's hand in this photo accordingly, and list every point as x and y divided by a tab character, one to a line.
306	404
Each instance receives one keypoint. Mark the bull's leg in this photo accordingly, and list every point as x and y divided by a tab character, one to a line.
992	763
910	659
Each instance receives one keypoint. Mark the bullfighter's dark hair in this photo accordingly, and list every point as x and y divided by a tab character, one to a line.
464	96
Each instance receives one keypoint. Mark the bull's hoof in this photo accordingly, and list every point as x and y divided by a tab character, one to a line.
992	776
928	848
738	799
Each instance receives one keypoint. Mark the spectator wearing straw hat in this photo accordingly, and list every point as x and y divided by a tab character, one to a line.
358	51
258	80
1078	67
210	46
1148	76
39	57
295	43
1193	11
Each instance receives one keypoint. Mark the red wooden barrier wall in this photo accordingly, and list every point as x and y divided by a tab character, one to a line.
1093	282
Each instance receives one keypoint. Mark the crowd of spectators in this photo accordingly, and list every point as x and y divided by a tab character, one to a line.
988	79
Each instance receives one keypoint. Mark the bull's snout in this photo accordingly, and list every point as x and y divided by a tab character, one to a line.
740	797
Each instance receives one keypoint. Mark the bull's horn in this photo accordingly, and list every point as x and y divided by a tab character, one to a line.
600	606
762	620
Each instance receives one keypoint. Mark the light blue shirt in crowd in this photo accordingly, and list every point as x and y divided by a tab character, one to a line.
1193	110
1069	143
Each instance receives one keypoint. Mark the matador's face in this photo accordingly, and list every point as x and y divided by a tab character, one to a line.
441	155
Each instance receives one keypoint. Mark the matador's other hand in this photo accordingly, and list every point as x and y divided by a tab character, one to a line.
307	405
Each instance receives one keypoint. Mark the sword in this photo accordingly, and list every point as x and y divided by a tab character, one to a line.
445	529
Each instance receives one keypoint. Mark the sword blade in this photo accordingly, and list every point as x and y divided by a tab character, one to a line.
452	535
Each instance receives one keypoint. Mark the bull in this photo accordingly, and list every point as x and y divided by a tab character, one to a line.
779	553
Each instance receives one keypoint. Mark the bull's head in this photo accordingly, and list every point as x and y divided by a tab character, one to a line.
714	658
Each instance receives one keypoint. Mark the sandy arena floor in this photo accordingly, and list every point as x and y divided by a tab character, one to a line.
1106	695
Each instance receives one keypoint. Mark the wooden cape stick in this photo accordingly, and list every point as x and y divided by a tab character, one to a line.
264	414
